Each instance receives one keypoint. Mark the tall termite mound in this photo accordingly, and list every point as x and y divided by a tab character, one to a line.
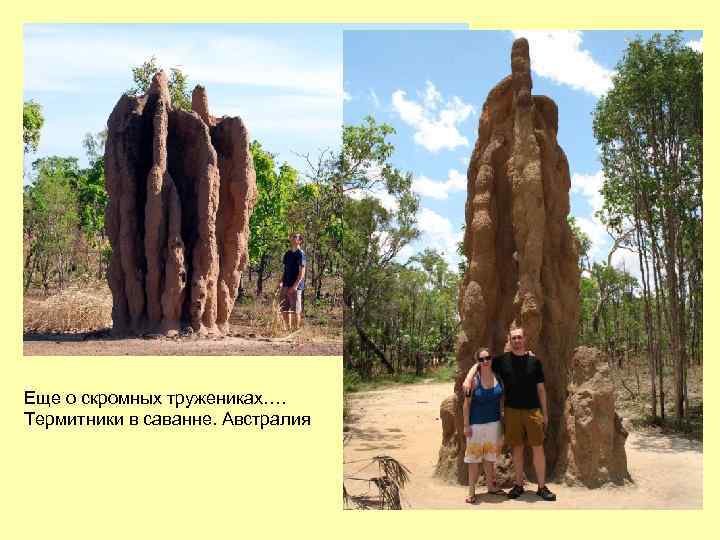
181	188
522	255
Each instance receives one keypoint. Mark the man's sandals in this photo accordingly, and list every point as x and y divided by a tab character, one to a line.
473	499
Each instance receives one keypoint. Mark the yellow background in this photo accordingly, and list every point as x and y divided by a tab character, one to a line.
229	482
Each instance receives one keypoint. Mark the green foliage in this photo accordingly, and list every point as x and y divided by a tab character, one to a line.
463	264
374	235
317	212
177	83
649	128
95	145
364	159
92	198
179	93
397	316
351	381
620	314
584	243
269	226
50	220
64	218
33	121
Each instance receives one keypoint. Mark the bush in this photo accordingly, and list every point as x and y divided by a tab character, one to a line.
351	380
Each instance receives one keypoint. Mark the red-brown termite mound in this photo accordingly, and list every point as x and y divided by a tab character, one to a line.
523	271
181	189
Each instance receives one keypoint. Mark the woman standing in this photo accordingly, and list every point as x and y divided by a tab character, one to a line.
482	413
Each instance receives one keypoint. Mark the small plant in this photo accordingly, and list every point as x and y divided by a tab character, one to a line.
383	490
351	380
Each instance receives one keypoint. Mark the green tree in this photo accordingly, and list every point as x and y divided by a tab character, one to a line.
94	145
50	222
177	83
317	211
92	198
33	121
269	227
373	233
649	128
584	243
90	187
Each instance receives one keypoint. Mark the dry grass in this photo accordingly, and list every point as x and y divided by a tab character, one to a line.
632	400
73	310
260	317
87	307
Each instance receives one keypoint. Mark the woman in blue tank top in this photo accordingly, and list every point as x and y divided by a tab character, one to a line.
483	429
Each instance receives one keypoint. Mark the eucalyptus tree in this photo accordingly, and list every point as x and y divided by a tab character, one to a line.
649	128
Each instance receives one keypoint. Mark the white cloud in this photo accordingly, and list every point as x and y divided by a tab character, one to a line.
57	59
274	83
597	234
386	200
696	45
439	189
558	56
588	186
434	118
456	180
346	96
438	233
406	252
374	99
432	98
624	259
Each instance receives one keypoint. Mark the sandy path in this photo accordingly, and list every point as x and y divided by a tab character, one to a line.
230	346
404	422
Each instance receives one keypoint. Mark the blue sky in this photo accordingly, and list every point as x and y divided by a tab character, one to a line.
431	85
283	80
295	84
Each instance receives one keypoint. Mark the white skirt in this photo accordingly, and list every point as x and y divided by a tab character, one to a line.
484	443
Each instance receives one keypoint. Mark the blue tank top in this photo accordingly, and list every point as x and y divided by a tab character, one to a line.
485	403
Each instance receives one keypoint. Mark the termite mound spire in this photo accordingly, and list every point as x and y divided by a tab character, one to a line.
523	271
181	189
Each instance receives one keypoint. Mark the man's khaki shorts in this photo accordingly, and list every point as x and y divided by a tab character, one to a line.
524	426
290	302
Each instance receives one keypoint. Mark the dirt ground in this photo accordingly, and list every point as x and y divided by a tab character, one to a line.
77	322
72	345
403	422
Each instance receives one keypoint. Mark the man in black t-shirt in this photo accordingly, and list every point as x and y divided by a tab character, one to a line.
292	283
525	413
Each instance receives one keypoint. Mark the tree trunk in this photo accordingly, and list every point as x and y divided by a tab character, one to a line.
261	274
375	349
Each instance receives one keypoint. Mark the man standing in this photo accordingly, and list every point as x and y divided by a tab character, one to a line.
292	283
526	412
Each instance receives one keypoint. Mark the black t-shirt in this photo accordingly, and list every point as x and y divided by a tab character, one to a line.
293	260
520	376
